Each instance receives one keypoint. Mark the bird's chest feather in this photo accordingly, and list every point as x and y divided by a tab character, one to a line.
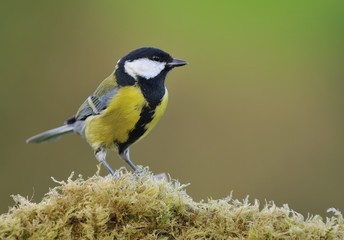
156	114
125	112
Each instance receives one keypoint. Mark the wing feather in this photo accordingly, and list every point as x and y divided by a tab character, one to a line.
99	100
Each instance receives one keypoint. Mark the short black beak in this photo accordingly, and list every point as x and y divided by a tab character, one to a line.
177	63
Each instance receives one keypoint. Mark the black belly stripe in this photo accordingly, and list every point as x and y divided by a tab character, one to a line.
146	117
153	91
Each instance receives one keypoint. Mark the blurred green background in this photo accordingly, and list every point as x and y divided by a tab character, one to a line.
259	110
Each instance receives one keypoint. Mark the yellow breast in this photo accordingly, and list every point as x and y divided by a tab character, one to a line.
159	111
120	117
115	122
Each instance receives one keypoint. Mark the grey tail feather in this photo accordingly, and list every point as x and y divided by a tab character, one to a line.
51	134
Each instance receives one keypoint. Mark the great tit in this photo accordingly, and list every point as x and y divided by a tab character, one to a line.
124	107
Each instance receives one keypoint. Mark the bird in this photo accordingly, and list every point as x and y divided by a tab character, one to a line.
124	108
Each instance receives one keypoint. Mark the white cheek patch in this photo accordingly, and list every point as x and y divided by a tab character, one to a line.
143	67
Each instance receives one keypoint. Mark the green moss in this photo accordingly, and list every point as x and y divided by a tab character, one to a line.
132	207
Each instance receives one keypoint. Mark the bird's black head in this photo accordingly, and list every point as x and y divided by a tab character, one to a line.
153	54
145	64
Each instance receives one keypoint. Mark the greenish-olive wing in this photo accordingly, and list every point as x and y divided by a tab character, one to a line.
98	101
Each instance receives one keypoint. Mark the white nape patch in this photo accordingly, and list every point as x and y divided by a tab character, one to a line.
144	67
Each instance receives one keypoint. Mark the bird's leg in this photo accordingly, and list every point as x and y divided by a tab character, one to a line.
126	157
100	154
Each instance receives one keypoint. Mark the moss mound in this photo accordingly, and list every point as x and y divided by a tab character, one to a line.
133	207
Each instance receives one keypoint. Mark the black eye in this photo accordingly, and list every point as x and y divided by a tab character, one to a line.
156	58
